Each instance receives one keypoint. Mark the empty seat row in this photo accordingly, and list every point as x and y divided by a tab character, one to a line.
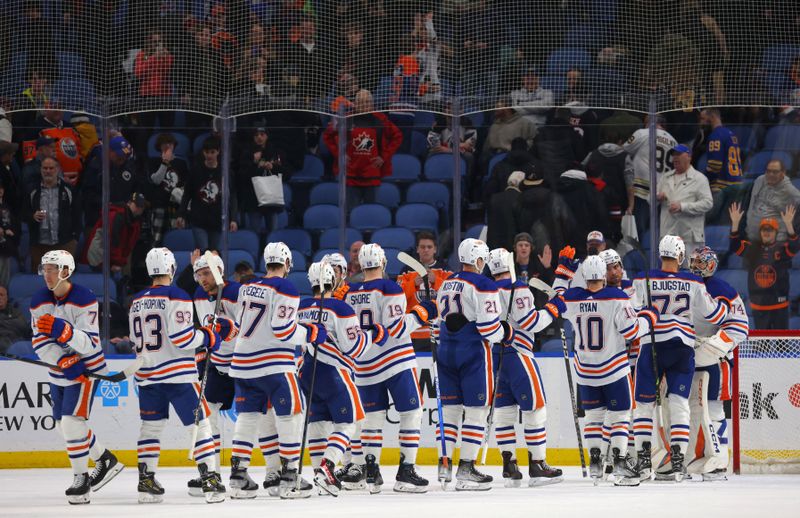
388	195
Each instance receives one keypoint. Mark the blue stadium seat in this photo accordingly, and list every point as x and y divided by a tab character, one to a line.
300	281
417	216
182	150
717	237
439	167
405	168
70	65
794	288
737	279
12	80
299	261
734	262
394	237
419	144
388	195
757	163
295	238
319	254
93	281
562	60
183	258
633	263
424	121
324	193
283	219
370	216
474	231
313	170
287	195
244	240
235	256
393	265
179	239
435	194
24	285
778	58
321	217
330	238
22	348
783	136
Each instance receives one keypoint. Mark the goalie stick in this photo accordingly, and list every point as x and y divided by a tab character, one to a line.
114	378
540	285
220	282
423	273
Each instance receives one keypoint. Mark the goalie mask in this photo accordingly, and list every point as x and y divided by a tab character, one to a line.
703	262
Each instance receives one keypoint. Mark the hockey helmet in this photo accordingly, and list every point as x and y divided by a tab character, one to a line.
470	250
594	268
371	256
61	259
672	247
498	261
160	261
610	256
278	253
321	273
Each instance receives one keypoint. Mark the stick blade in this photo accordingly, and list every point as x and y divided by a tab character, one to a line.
538	284
412	263
212	260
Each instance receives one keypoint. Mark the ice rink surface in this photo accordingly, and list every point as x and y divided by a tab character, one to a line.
40	492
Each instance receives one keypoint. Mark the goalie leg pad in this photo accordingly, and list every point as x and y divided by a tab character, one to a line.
705	449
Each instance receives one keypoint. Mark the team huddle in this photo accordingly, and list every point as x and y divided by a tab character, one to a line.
319	374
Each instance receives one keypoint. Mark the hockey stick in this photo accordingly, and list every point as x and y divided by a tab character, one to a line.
114	378
423	273
540	285
220	282
311	391
489	421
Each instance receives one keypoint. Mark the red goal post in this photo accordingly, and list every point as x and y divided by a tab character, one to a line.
765	411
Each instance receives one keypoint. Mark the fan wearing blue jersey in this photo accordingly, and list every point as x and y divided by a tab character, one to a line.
604	319
519	384
388	369
161	321
681	299
265	372
712	384
219	386
65	333
470	321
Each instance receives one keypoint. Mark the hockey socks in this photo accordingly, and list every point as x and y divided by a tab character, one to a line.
149	445
472	432
409	434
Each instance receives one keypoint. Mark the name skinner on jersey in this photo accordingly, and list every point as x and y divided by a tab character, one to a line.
150	303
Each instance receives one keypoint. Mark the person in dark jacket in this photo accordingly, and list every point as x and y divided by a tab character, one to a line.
125	221
53	213
768	262
124	179
518	159
13	324
558	146
503	214
10	233
260	158
581	209
10	176
166	177
605	169
201	206
536	210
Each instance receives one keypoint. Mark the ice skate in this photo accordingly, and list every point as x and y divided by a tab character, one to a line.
195	487
542	474
105	469
242	486
717	475
595	465
511	474
373	475
445	473
408	480
213	488
352	476
470	479
272	483
294	486
325	479
80	491
150	491
644	463
624	475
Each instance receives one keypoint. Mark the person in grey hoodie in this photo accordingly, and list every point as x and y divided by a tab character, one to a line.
771	193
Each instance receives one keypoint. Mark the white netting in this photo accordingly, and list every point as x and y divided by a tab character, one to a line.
769	404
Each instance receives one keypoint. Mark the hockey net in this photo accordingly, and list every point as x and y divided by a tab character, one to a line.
766	403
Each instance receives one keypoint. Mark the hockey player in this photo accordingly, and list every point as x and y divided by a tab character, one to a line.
339	265
264	371
712	379
390	369
519	386
161	322
681	299
334	405
603	319
219	386
470	320
65	333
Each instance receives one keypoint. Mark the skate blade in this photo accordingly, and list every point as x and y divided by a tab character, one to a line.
273	491
147	498
405	487
196	492
243	494
626	482
708	477
468	485
79	499
294	494
595	481
214	497
325	489
354	486
510	482
443	483
113	472
374	489
544	481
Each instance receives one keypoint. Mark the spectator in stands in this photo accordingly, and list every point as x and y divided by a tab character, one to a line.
536	215
771	193
6	129
354	273
198	71
529	264
35	99
558	146
201	206
504	214
579	209
125	221
243	272
508	124
605	167
67	148
302	51
9	172
10	234
357	57
89	142
124	179
576	89
372	140
53	213
724	169
518	159
440	137
768	262
31	173
531	100
685	197
167	176
259	158
13	324
153	68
